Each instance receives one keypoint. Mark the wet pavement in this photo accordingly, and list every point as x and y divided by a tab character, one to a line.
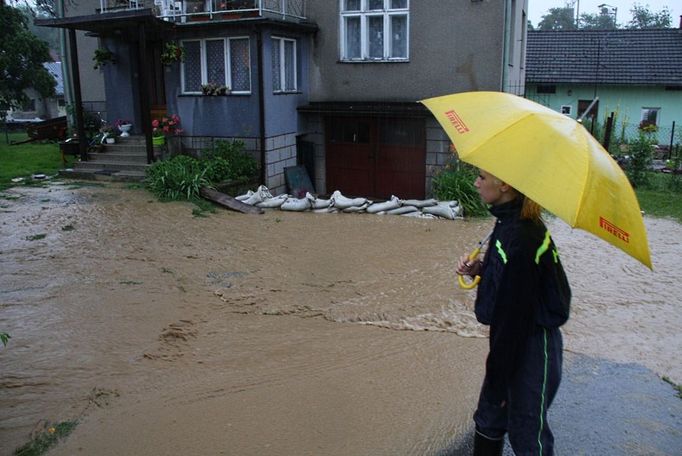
609	409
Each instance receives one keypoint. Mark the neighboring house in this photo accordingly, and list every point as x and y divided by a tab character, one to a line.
635	74
332	84
39	108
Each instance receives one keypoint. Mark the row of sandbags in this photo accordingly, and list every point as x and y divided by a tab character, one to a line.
429	208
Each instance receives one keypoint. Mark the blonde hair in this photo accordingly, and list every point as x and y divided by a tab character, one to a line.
530	210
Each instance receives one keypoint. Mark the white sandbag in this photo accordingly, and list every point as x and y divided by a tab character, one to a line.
442	210
264	191
420	203
392	203
261	194
244	196
360	208
273	202
317	203
295	204
402	210
340	201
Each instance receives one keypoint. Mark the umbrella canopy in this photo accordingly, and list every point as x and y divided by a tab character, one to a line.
548	157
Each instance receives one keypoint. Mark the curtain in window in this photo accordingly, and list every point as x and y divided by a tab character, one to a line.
353	38
376	4
276	66
215	61
351	5
375	35
240	71
399	36
192	66
289	65
397	4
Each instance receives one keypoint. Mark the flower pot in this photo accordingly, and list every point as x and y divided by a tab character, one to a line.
125	130
158	140
110	140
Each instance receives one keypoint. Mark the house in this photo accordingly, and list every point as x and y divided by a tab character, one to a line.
37	107
635	74
330	84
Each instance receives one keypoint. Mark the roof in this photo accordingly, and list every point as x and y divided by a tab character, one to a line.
620	56
55	69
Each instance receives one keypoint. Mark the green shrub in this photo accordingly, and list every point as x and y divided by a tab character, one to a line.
181	177
456	182
641	156
236	164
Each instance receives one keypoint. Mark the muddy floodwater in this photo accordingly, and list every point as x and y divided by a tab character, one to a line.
282	333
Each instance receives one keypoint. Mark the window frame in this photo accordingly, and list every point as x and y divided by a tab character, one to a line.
281	43
227	53
643	117
364	13
566	110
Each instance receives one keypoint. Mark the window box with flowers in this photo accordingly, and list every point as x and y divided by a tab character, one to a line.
165	126
214	89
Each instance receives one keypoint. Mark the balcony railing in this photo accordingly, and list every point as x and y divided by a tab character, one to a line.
190	10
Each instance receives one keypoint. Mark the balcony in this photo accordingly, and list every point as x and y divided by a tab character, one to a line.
202	10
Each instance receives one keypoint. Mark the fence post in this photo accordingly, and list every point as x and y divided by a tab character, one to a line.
672	137
607	131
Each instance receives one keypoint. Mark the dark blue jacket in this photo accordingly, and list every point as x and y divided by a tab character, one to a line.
523	286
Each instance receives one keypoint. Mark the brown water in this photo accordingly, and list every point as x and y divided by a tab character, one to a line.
285	333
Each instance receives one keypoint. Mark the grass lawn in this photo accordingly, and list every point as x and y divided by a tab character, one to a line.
662	197
24	160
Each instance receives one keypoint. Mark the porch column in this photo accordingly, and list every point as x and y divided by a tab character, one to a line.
78	99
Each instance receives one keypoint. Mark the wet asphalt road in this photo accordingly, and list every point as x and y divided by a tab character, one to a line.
609	409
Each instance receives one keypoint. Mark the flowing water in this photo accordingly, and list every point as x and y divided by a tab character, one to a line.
122	306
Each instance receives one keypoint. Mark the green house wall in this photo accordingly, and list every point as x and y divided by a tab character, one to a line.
626	102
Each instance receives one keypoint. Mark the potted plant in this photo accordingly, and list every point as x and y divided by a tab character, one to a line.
124	127
165	126
172	52
101	57
108	133
214	89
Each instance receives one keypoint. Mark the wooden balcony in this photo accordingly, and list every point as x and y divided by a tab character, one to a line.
182	11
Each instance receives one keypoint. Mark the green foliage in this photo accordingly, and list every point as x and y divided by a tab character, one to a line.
456	182
676	387
602	21
179	178
641	156
643	18
558	19
22	56
101	57
4	338
233	161
44	441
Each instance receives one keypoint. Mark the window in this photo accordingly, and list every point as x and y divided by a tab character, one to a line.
649	116
222	61
284	74
374	30
566	109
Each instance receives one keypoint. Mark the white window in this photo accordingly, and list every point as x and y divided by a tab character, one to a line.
284	65
566	109
374	30
221	61
649	116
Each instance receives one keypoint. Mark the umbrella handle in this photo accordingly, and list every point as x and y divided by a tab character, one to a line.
462	283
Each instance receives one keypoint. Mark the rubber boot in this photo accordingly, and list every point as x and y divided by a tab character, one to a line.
484	446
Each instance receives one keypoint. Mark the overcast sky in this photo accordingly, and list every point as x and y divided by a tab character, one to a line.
538	8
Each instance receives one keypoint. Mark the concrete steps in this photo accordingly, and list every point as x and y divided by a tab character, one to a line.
126	161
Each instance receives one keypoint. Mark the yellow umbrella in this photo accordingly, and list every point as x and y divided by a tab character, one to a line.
550	158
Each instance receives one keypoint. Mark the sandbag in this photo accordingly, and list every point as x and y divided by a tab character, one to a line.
392	203
420	203
340	201
274	202
403	210
244	196
418	214
318	203
360	208
443	210
295	204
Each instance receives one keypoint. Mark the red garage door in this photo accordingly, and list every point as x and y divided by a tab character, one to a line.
376	157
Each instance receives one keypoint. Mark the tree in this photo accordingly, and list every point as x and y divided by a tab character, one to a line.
48	34
557	19
22	56
597	21
642	18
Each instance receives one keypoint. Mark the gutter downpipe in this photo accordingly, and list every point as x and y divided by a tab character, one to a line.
66	75
261	105
505	45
